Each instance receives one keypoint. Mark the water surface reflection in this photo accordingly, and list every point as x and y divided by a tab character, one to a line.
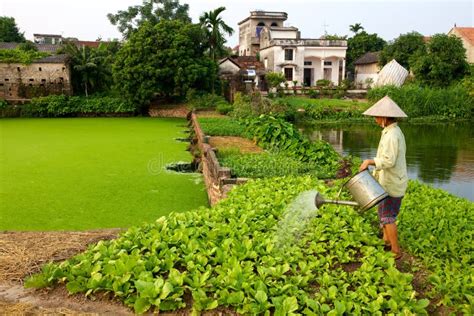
441	155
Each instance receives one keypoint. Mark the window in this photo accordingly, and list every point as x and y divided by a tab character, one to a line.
265	63
6	79
328	63
274	24
288	54
259	28
289	74
39	68
308	63
32	79
18	68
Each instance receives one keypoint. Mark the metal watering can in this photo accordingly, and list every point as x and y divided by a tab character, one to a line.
365	190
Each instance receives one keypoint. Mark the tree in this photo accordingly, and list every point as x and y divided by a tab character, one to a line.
28	46
360	44
9	32
402	49
355	28
152	11
334	37
443	62
166	59
85	67
215	29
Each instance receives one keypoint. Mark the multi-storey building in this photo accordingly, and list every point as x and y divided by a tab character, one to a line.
282	49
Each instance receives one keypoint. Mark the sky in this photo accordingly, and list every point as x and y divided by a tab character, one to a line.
86	19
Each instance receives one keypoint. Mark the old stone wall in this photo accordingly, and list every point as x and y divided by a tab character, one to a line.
19	81
217	179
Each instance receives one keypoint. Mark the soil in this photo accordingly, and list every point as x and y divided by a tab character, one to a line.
23	253
175	110
227	142
209	113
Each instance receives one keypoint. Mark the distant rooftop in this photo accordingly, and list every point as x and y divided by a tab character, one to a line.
260	14
48	35
368	58
283	28
467	33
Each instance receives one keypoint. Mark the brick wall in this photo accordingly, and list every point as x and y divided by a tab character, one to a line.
19	81
217	179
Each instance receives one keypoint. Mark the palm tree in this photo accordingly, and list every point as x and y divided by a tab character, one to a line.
84	64
215	29
356	27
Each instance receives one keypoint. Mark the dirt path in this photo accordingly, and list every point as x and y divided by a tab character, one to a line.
228	142
23	253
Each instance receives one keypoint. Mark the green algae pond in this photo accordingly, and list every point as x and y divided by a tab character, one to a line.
92	173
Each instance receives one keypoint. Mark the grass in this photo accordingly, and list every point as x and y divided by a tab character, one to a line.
77	174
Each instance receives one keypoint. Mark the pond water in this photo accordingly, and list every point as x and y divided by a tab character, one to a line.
438	154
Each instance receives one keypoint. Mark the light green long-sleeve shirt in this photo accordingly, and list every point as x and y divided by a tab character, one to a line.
390	163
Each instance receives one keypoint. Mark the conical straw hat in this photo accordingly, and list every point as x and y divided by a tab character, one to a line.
385	107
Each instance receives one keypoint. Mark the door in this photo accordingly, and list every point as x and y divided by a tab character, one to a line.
307	77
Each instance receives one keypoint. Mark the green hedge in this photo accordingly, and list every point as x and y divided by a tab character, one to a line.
63	106
416	101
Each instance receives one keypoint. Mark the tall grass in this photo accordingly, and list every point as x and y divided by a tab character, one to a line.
416	101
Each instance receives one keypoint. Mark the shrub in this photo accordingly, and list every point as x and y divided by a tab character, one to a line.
246	106
3	104
224	107
275	79
314	94
61	106
203	101
416	101
323	83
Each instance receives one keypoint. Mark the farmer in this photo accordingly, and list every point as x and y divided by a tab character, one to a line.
390	168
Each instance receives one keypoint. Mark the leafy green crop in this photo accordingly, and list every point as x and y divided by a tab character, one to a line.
226	256
221	126
263	165
276	135
439	228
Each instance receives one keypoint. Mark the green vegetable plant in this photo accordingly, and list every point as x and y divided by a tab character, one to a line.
228	257
277	135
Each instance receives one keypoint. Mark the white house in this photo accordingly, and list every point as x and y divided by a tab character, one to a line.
367	69
282	49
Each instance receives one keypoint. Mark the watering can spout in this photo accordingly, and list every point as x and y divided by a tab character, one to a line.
319	201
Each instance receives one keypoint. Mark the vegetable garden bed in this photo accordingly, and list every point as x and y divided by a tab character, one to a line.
227	256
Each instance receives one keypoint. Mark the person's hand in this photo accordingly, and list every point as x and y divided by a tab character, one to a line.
364	165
